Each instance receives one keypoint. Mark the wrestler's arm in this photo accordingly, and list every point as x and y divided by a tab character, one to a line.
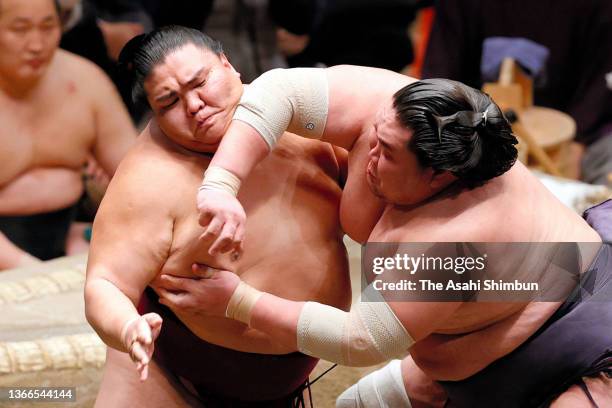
370	333
131	239
354	96
279	317
35	191
115	132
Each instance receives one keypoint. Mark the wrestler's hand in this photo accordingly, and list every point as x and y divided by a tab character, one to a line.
224	219
208	294
139	339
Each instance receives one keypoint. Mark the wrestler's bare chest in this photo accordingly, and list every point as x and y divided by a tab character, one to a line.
293	245
291	200
54	132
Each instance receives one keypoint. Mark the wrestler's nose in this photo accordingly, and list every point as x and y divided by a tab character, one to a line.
194	104
36	42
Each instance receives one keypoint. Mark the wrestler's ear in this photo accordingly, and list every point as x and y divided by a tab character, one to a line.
441	180
225	62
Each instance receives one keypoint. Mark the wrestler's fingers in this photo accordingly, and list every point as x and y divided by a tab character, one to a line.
138	354
238	248
155	323
143	332
213	229
225	240
169	298
203	271
172	282
153	319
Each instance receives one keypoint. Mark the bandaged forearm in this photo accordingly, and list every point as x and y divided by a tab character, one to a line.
370	334
294	100
217	178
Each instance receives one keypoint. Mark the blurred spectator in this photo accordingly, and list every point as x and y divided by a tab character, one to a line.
578	36
59	114
360	32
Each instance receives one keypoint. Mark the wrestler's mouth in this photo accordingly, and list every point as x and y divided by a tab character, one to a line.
207	121
35	63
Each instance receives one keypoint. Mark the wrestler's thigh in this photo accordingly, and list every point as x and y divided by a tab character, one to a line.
121	386
422	390
600	388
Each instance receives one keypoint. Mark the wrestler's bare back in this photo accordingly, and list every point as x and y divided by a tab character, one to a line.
515	207
55	128
293	246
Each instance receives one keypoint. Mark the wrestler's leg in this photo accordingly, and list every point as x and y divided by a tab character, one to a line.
121	386
599	387
422	390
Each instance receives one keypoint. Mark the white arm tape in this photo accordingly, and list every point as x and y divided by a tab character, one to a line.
368	335
295	100
217	178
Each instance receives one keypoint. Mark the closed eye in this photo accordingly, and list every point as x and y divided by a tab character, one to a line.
171	104
386	154
19	29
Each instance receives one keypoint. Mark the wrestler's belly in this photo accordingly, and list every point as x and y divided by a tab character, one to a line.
457	354
317	272
41	190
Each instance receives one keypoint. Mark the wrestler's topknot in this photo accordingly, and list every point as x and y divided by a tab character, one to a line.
456	128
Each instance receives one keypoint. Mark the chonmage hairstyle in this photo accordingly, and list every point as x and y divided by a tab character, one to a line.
456	128
144	52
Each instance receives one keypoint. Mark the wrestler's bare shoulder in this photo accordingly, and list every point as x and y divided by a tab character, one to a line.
386	81
153	148
514	207
153	170
80	71
69	78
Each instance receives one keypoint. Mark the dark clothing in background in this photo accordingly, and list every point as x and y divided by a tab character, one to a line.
155	13
577	33
41	235
360	32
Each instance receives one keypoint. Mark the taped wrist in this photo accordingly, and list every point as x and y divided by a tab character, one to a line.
368	335
217	178
295	100
240	305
